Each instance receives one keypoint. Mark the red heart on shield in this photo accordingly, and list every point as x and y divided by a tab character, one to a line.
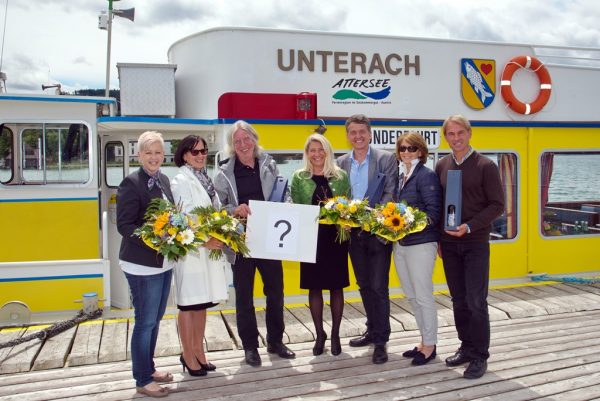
486	68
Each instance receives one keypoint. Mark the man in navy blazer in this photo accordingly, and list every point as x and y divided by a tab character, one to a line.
373	175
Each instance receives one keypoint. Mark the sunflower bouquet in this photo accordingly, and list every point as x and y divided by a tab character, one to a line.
344	213
168	230
220	225
394	221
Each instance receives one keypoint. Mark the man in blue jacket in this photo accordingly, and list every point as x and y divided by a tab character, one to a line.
373	175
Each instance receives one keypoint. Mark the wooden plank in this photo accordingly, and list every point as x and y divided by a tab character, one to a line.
580	302
494	313
167	342
395	324
540	297
347	328
570	303
513	311
302	314
401	310
230	321
530	308
355	317
216	335
593	298
55	350
445	316
261	322
86	344
113	345
21	356
296	330
593	289
7	335
550	307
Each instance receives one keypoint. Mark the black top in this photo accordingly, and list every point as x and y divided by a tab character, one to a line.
247	180
322	191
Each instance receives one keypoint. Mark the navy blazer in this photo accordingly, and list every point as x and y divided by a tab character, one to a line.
383	175
133	197
423	191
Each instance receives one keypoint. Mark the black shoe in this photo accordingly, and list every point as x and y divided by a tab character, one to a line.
411	354
361	341
192	372
476	369
458	358
421	359
380	354
281	350
319	344
206	366
336	347
252	357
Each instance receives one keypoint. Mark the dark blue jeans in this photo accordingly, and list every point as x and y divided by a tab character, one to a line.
149	295
467	268
371	263
271	272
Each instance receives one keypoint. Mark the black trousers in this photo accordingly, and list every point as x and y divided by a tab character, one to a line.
371	263
467	269
271	272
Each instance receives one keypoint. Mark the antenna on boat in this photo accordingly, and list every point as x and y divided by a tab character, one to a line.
56	91
3	75
105	22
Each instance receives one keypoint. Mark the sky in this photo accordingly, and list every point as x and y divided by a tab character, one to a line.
58	41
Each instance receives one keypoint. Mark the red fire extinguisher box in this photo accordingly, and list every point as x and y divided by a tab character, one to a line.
284	106
306	106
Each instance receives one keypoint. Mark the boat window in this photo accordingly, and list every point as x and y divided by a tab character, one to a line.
114	164
569	196
6	154
287	163
54	153
505	226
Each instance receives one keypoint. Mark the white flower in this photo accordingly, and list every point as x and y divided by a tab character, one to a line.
409	217
225	227
329	205
187	236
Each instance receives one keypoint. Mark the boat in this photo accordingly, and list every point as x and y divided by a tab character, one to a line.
533	109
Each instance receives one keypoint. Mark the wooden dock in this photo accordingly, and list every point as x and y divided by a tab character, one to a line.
545	345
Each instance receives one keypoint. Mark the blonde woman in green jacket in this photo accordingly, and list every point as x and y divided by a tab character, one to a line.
320	178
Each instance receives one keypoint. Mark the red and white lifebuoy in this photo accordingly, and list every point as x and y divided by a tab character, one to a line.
532	64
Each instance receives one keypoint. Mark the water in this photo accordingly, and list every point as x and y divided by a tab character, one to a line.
575	178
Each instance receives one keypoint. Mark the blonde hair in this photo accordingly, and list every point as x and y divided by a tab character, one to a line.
330	169
244	126
459	119
148	138
414	139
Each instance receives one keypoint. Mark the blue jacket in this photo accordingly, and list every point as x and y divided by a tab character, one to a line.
423	191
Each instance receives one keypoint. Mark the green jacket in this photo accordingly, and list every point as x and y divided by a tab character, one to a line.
303	187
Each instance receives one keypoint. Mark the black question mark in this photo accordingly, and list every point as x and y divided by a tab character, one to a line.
286	232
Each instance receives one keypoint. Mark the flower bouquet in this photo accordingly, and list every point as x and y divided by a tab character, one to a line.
344	213
222	226
168	230
394	221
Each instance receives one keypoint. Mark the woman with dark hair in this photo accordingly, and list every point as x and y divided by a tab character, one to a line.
201	283
414	255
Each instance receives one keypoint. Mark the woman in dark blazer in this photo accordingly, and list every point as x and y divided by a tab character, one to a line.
147	272
414	255
320	178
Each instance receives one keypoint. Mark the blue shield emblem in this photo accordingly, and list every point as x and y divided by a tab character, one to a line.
478	82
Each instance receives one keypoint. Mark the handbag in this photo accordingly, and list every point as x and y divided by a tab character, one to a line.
279	189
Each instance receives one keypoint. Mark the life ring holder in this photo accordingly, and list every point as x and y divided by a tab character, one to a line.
532	64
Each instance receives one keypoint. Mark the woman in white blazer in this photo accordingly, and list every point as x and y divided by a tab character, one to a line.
201	283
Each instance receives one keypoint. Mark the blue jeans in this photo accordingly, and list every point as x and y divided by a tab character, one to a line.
467	269
371	263
149	295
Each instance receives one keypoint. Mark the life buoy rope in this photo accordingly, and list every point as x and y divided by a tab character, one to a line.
532	64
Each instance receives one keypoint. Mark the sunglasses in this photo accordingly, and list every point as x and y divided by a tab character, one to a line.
196	152
411	149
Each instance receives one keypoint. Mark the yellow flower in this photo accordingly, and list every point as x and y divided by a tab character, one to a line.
161	221
172	231
178	237
367	227
216	214
339	206
395	222
352	208
223	212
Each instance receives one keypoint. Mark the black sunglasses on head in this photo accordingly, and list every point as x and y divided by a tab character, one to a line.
411	149
196	152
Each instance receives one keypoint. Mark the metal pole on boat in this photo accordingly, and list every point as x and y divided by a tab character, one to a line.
109	29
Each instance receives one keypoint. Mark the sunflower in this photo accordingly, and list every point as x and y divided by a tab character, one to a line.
395	222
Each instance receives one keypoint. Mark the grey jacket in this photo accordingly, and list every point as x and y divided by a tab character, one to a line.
226	187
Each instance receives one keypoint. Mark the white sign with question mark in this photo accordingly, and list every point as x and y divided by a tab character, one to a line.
282	231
